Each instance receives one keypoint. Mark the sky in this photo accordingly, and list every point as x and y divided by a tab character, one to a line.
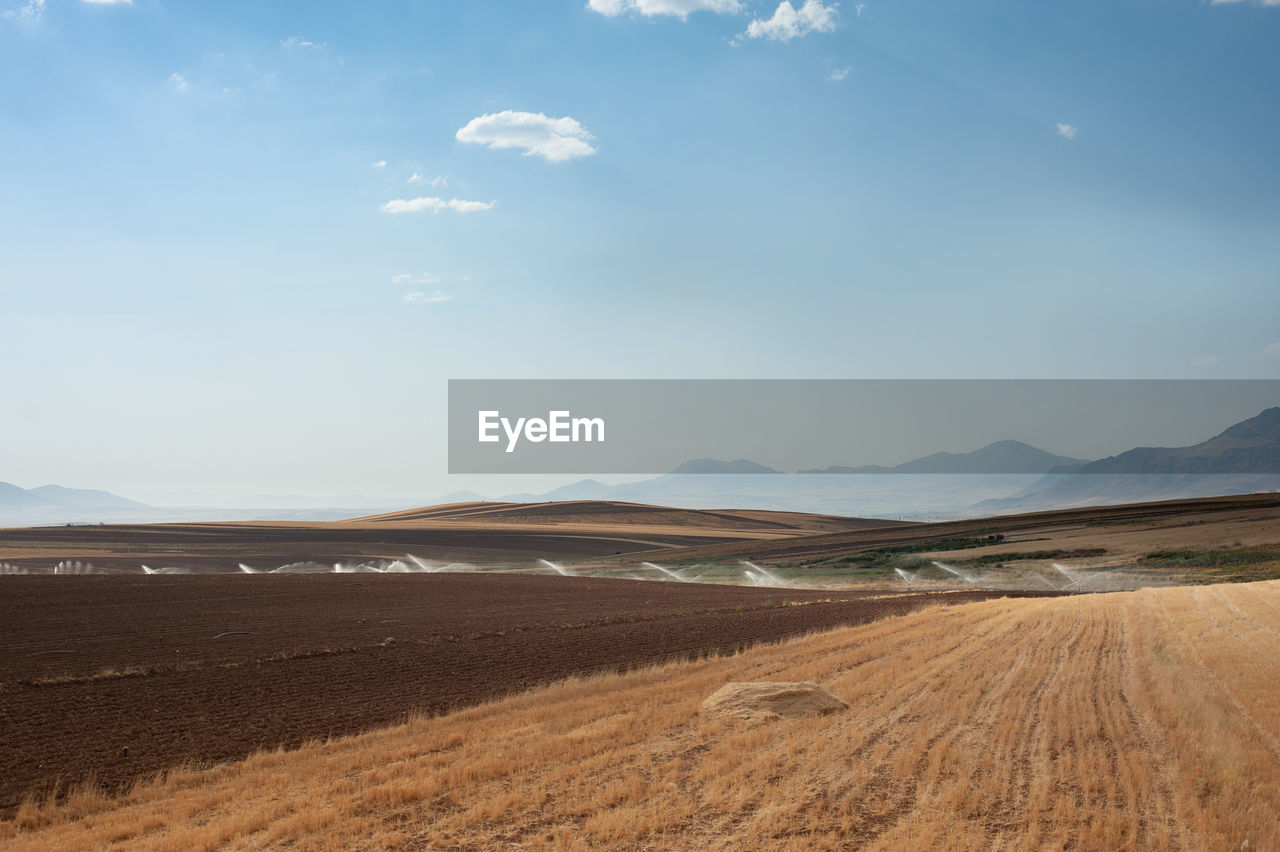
245	245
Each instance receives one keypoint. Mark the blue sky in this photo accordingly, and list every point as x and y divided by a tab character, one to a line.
205	285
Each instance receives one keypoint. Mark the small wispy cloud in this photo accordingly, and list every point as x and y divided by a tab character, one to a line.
1067	131
412	279
553	139
839	74
859	8
299	43
439	180
378	164
788	22
676	8
31	11
421	298
417	205
178	83
1272	348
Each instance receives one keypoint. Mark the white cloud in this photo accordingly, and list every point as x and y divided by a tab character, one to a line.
1272	349
296	43
417	205
410	278
859	8
788	22
421	298
1068	131
439	180
839	74
32	10
677	8
553	139
380	164
178	82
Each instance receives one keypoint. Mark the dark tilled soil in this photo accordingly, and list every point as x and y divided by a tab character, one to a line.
218	547
203	669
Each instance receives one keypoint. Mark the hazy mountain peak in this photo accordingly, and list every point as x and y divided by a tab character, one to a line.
84	498
718	466
1006	456
1251	447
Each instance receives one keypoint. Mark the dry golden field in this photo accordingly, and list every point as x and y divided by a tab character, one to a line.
1135	720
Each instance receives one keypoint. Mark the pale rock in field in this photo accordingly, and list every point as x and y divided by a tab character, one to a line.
765	700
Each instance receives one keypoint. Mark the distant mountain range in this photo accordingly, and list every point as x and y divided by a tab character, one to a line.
1249	447
1000	457
737	466
1243	459
11	496
54	504
1005	476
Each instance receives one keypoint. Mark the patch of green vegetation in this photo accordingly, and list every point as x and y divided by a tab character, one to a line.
954	543
997	558
1224	564
1028	555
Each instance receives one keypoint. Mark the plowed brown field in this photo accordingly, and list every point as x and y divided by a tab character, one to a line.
1138	720
200	669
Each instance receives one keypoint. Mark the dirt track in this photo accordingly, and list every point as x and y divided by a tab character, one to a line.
209	668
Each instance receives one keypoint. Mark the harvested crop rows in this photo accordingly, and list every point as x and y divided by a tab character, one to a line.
1143	720
201	669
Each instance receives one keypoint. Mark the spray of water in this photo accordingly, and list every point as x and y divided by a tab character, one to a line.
559	569
245	569
674	575
168	570
302	568
1069	574
422	564
968	578
766	577
1078	578
907	577
457	568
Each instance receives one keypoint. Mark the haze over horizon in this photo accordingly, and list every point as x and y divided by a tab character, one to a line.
244	247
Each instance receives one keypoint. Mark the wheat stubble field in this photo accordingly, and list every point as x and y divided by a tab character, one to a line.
1139	720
